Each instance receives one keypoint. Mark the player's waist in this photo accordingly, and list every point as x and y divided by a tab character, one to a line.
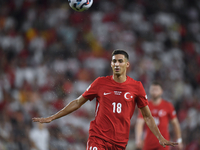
114	138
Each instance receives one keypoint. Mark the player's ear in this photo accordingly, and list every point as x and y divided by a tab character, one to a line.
127	64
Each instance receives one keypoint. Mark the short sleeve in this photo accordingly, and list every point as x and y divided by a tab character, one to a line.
92	91
172	112
141	100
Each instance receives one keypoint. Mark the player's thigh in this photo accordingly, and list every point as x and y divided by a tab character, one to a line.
95	144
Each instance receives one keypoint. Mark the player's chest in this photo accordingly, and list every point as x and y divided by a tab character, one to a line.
160	116
110	93
159	112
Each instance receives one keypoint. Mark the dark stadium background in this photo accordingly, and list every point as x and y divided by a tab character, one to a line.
49	54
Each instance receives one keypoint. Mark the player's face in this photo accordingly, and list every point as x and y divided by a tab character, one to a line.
155	91
119	64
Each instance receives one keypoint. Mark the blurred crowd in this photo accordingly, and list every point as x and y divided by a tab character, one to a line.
49	55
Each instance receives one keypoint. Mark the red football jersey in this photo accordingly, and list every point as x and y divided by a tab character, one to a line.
115	104
162	114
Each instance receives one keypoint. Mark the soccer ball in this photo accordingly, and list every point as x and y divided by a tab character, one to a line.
80	5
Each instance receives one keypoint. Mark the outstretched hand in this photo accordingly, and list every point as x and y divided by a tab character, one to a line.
42	120
139	144
164	143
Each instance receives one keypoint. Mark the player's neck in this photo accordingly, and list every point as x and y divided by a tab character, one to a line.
157	101
119	78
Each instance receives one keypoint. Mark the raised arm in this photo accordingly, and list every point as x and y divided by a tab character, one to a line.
152	126
72	106
177	130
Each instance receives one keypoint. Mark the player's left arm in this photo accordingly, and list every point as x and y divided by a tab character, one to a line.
148	118
177	130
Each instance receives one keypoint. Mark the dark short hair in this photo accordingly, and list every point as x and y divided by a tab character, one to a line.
156	83
119	51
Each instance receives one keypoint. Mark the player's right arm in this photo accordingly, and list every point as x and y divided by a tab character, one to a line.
72	106
149	120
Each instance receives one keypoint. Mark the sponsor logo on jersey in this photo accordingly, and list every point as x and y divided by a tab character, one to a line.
106	93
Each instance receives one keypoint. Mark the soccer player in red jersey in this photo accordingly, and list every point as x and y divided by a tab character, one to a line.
116	97
162	112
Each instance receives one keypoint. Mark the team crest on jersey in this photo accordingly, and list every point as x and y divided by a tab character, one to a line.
128	96
162	113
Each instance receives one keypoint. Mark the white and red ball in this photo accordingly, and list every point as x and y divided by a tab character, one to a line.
80	5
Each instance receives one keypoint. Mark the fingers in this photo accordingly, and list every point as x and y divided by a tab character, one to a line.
169	144
36	119
163	144
41	120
